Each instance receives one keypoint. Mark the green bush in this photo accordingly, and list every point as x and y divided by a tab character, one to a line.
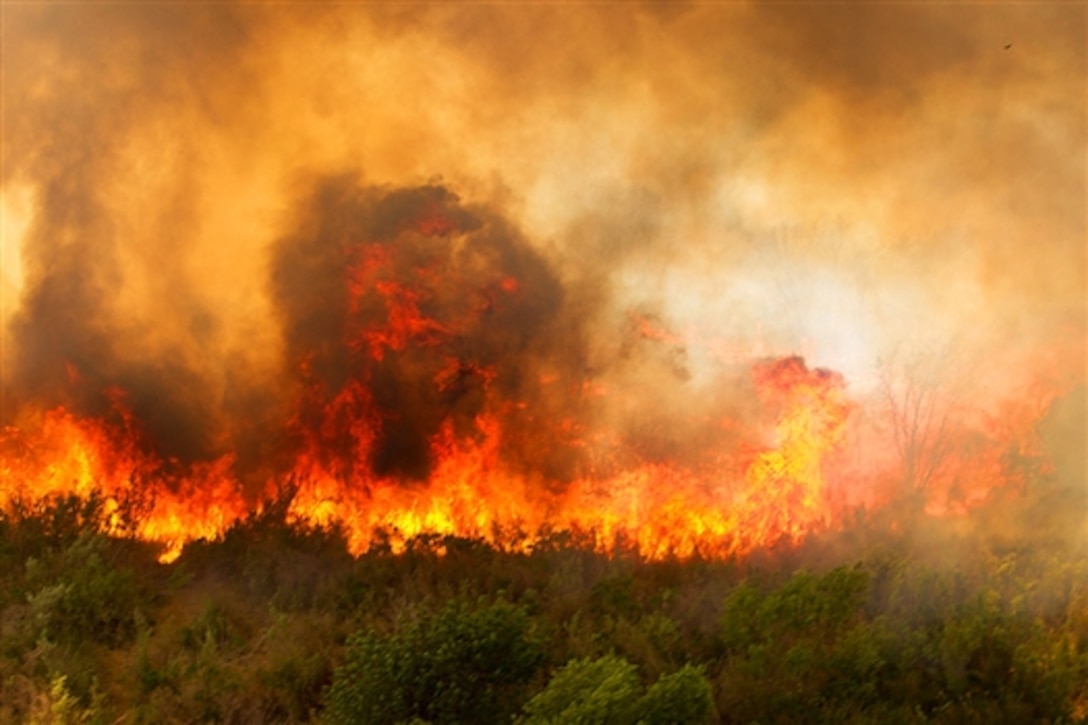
462	664
804	605
587	692
82	593
606	691
32	528
681	697
799	649
813	648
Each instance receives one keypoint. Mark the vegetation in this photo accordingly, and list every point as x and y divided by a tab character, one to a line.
277	623
460	665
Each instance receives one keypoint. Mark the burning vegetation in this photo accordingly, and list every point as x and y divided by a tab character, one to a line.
620	309
434	383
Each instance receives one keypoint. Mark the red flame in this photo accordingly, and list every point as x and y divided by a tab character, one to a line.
771	480
735	501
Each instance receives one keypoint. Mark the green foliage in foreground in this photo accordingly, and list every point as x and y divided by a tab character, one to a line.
607	691
828	644
278	624
460	665
587	691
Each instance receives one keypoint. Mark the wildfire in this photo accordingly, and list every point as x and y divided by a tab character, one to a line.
426	403
657	509
752	498
58	455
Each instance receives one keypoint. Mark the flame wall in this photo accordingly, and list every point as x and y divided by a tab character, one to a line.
562	245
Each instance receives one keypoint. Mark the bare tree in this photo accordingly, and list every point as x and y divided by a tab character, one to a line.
919	407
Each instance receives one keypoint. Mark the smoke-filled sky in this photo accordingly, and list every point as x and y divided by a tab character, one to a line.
681	188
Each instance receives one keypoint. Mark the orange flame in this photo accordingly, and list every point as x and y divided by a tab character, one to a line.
655	508
58	454
734	502
768	482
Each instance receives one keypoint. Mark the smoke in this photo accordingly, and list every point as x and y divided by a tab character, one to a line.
70	128
666	194
440	310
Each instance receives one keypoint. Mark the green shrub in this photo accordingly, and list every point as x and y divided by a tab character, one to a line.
217	624
587	692
606	691
462	664
806	604
795	650
682	697
80	594
33	528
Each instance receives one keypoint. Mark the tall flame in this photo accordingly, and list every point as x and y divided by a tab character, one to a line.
424	402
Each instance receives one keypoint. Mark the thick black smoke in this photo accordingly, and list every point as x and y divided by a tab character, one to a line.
439	311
